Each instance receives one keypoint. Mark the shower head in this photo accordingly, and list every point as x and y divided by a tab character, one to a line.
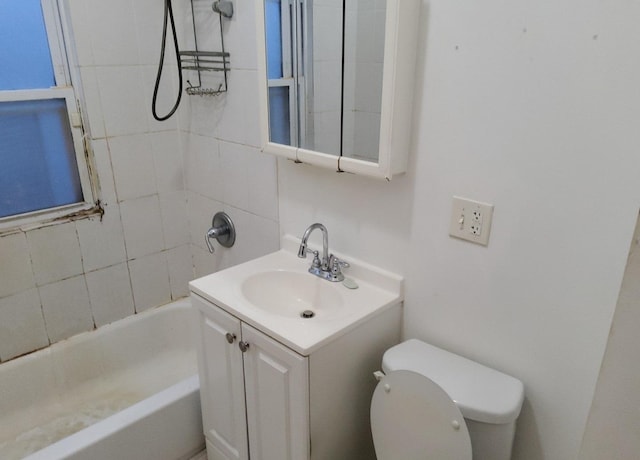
223	7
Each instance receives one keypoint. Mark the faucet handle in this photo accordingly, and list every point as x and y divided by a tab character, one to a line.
316	259
337	264
222	229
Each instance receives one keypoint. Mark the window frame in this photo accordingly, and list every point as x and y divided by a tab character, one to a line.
68	88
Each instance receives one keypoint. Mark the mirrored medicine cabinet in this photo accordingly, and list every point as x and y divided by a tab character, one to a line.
336	81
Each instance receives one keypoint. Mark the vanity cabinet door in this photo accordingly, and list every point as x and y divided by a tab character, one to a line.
277	392
221	383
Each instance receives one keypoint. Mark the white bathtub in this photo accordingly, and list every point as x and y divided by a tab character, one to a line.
128	390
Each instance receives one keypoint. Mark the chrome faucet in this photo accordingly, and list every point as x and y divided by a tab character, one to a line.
330	267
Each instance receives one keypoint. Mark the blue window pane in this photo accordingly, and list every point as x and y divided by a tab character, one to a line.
39	169
279	121
273	38
24	48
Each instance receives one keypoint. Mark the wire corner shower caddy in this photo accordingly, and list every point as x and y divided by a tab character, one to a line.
208	61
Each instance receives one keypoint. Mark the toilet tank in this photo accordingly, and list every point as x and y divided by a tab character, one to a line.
490	401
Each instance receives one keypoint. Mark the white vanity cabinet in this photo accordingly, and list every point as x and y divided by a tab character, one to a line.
254	391
270	402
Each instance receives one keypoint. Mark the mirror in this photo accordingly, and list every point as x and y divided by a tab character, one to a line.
336	78
324	68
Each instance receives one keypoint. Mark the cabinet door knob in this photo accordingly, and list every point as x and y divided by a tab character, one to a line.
230	337
244	346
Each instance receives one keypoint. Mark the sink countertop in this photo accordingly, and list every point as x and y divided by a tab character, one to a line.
378	290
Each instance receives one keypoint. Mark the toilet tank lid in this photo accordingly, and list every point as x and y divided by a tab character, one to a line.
481	393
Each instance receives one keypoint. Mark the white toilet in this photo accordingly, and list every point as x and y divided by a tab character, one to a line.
431	404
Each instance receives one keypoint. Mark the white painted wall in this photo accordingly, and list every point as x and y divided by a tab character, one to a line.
531	106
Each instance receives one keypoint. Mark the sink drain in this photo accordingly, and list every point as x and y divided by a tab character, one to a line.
307	314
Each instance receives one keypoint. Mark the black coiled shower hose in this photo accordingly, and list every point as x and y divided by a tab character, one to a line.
168	16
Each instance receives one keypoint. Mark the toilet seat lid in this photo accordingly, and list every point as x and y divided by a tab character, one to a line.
412	418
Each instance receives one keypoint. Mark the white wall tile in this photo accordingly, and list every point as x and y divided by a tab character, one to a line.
148	19
150	281
123	100
81	31
180	265
201	211
262	178
102	241
240	120
55	252
66	308
234	160
166	97
92	101
255	236
204	171
240	38
142	226
203	115
113	32
102	160
168	161
133	169
110	294
207	27
21	324
205	263
251	115
175	224
16	273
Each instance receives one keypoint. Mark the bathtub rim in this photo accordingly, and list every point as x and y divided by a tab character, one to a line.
117	422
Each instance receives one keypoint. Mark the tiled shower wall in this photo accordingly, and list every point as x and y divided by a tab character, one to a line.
225	170
60	280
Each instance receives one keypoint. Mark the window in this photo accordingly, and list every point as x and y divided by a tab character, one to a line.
43	170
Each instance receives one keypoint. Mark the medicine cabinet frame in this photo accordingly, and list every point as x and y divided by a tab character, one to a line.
398	76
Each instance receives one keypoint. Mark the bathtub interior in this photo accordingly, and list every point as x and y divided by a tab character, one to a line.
50	394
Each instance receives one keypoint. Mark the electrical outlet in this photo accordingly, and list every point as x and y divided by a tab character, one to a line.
471	220
476	229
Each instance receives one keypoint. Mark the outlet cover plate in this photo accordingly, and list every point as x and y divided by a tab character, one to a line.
471	220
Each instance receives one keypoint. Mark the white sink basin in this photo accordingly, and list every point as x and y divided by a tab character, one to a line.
271	292
294	294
